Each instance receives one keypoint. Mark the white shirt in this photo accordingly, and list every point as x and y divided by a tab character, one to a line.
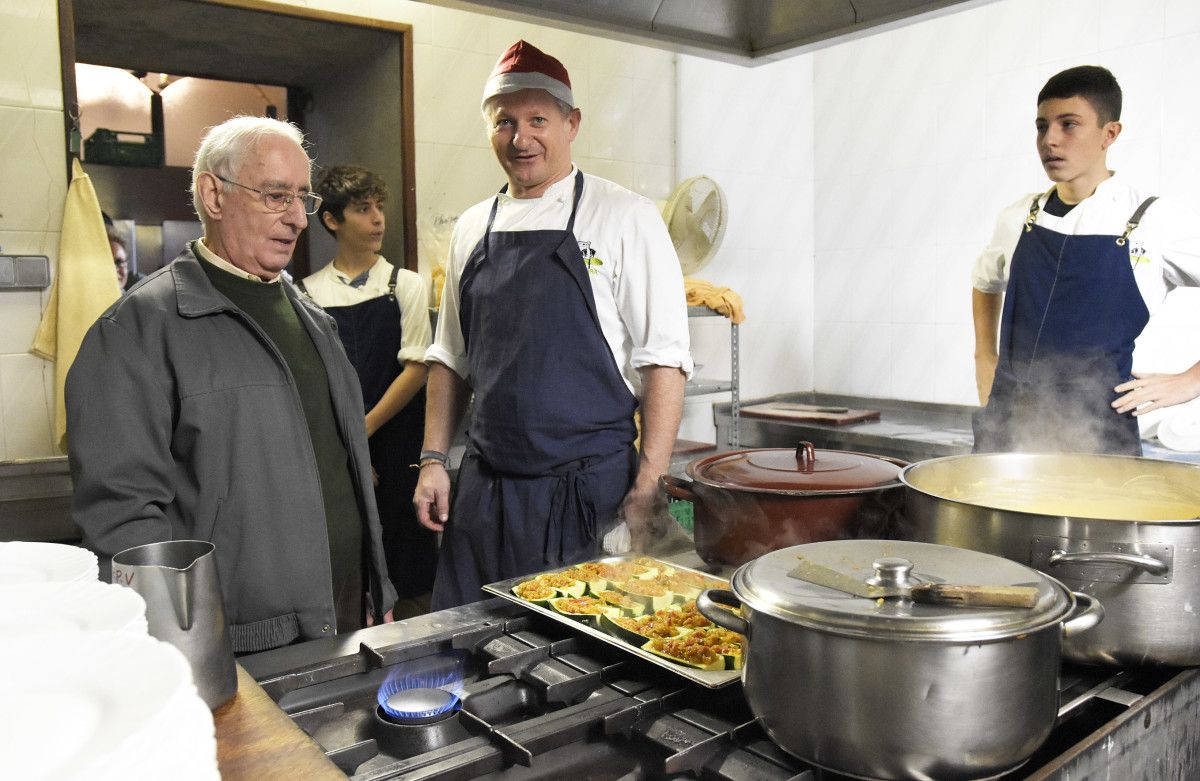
638	286
330	287
1164	249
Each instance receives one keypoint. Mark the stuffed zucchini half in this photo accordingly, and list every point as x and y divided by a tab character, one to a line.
654	595
536	591
625	603
587	609
679	651
638	631
566	585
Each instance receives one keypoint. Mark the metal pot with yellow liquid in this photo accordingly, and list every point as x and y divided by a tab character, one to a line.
1122	529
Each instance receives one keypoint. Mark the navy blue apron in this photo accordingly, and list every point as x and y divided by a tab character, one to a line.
551	433
1071	313
371	332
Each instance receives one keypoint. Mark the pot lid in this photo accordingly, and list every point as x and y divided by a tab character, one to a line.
772	584
804	468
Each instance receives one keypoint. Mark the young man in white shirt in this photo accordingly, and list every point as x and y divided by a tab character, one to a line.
1069	279
383	322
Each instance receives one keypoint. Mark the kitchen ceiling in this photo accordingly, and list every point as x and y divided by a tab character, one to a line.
750	32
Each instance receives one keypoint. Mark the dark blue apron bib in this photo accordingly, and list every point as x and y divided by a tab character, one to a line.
551	433
371	332
1071	313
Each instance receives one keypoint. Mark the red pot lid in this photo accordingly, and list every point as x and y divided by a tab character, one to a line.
804	468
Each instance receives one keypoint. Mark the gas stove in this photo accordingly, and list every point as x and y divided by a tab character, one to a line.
490	691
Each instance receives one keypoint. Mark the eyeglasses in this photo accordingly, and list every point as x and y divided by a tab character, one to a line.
280	200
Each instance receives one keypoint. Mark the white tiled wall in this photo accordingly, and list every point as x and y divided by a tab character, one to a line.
751	130
924	133
32	187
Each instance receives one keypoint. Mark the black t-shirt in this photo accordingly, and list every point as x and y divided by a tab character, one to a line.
1057	206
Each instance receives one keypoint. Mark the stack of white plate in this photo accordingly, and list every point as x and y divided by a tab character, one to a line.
42	562
28	608
101	705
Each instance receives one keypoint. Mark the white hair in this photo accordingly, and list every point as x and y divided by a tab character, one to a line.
226	145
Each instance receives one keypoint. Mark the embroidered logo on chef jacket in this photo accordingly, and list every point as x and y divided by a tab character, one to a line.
590	260
1137	252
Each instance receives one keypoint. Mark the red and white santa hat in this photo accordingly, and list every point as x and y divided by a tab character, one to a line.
525	66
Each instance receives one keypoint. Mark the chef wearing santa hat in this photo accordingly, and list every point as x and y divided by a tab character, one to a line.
563	313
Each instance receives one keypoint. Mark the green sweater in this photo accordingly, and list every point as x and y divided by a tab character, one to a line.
268	306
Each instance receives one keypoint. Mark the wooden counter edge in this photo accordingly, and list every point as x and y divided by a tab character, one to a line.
256	740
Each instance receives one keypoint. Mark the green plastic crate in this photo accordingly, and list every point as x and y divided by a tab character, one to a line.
119	147
683	512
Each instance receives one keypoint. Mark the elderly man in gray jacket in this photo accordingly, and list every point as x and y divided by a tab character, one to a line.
248	429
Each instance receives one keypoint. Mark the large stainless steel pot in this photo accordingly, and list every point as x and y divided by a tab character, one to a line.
749	502
893	689
1120	528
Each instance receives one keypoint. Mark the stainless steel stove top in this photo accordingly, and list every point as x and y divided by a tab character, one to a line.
539	702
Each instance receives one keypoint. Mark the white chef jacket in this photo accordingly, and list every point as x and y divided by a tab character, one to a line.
330	287
638	285
1164	249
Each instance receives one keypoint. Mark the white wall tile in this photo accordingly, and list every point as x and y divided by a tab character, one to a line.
447	87
26	406
853	358
613	118
914	361
651	137
452	178
914	283
30	73
1123	24
619	171
453	29
1010	28
1070	29
21	310
653	181
1182	17
33	168
774	358
954	382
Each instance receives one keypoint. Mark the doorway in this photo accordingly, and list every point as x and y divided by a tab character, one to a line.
348	81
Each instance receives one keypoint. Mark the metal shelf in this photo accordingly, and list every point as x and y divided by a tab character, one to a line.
700	386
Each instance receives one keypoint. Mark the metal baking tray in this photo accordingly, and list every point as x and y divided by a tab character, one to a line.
713	679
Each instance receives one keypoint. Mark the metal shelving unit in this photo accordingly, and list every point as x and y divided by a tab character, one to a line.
699	386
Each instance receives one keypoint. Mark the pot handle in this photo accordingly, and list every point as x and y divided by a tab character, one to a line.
1092	614
707	604
680	489
1138	561
806	456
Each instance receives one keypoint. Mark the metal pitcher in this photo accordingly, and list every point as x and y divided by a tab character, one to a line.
178	579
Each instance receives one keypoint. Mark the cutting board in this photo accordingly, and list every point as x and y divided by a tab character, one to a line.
809	413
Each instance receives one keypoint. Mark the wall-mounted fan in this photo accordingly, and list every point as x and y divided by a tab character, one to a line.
695	215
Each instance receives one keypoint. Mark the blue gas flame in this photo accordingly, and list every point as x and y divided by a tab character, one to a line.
443	671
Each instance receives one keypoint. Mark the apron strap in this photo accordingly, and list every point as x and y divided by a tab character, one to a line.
391	293
1034	208
496	204
1135	219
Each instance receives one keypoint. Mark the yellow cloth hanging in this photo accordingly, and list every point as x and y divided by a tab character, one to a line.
720	299
85	285
438	279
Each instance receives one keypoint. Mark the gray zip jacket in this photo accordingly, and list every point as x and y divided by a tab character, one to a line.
183	422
